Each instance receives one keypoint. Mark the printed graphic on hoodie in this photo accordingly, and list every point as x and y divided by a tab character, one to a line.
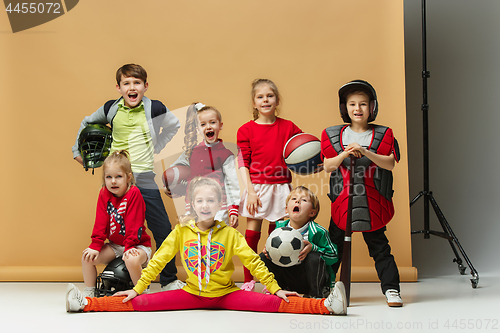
190	255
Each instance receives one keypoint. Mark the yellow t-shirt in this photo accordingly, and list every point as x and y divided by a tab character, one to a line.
131	132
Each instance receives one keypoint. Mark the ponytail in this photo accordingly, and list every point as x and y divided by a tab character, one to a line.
190	137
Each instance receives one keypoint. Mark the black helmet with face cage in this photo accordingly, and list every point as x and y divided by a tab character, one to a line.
94	144
115	277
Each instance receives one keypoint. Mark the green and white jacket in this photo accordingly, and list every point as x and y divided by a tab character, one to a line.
320	240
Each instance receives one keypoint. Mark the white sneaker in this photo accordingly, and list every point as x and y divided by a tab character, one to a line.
336	302
393	298
75	302
174	285
89	292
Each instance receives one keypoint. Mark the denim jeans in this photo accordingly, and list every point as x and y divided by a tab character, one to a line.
157	219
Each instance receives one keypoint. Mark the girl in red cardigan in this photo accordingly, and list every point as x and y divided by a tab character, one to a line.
262	167
119	218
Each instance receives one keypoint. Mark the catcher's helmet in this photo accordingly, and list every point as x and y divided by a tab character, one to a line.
356	85
115	277
94	144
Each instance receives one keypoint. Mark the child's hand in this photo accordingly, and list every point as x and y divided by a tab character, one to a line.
305	251
79	159
253	203
170	194
383	161
133	252
131	293
319	168
347	152
167	192
356	150
265	253
90	254
233	221
284	293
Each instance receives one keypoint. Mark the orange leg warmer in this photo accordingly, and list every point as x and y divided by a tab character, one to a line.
304	305
108	304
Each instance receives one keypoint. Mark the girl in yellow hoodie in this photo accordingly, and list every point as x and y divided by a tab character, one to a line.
205	243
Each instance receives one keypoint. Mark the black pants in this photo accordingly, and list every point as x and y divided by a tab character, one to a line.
310	277
380	251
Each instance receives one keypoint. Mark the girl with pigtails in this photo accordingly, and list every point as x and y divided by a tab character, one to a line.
210	158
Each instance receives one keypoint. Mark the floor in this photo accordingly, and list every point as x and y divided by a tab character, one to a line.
439	304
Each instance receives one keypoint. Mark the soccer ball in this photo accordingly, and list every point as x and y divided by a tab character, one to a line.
284	245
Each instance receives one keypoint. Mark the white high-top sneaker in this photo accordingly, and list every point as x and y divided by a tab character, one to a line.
75	302
336	302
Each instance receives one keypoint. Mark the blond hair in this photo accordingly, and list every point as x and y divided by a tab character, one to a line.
120	158
256	83
312	197
194	185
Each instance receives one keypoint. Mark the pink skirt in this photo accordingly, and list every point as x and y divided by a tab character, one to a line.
273	198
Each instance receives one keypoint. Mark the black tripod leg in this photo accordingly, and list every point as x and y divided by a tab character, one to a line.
447	229
421	193
426	230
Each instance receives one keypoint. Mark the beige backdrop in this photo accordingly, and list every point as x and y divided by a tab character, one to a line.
55	74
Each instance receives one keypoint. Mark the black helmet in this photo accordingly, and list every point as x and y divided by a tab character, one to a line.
356	85
94	144
114	278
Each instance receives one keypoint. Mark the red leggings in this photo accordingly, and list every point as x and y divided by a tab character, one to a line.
181	300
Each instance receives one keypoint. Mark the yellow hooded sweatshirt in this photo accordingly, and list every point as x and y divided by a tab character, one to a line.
225	242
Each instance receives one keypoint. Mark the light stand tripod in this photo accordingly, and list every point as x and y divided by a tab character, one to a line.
426	194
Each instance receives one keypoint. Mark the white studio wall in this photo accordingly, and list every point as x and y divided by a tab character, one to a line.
462	56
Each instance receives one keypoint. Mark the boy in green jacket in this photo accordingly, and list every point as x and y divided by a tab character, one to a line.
314	276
